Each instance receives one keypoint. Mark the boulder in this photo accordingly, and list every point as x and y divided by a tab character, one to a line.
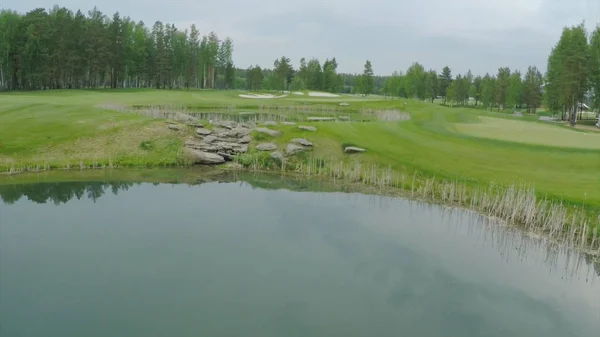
226	156
307	128
354	149
292	149
301	141
241	148
203	132
219	130
192	143
174	127
344	104
205	158
288	123
226	124
344	118
245	140
266	147
270	123
238	132
277	155
184	118
272	133
209	139
320	119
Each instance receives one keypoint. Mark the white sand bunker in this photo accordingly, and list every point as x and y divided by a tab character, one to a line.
260	96
298	93
322	94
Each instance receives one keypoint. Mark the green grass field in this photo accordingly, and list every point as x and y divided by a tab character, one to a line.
530	133
59	128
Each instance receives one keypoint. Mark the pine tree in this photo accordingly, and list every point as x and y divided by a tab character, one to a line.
444	81
366	83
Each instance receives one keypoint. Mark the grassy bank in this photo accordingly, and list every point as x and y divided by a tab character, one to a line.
78	129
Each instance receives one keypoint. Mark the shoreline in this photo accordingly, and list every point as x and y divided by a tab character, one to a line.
574	234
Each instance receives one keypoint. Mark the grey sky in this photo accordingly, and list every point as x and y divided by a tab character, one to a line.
480	35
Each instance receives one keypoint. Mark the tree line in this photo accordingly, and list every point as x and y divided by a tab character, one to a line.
572	78
59	49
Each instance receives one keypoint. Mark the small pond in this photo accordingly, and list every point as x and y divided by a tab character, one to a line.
239	258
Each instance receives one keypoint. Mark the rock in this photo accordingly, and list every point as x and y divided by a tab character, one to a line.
201	157
301	141
241	149
344	104
344	118
320	119
307	128
226	156
192	143
203	132
272	133
292	149
174	127
354	149
209	139
219	130
288	123
266	147
244	125
269	123
184	118
238	132
277	155
245	140
226	124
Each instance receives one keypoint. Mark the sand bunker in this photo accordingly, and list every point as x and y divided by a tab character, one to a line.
260	96
322	94
298	93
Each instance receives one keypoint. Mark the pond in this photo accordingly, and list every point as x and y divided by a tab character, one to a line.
227	258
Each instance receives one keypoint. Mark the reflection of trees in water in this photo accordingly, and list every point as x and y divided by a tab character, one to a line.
58	193
510	242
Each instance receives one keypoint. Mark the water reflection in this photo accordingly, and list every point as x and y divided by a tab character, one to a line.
511	243
60	192
243	260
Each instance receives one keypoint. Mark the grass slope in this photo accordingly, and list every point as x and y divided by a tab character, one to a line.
60	127
530	133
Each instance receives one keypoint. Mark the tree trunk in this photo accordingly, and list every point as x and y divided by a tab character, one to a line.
204	75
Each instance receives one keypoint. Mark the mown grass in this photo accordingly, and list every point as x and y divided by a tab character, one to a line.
67	128
530	133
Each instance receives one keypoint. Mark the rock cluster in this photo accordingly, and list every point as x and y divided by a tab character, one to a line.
227	139
209	147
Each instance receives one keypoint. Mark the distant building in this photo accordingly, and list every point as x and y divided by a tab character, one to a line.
583	107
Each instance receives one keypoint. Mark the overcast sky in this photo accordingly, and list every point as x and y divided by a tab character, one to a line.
480	35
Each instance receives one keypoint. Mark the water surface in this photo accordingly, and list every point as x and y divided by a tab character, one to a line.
228	259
